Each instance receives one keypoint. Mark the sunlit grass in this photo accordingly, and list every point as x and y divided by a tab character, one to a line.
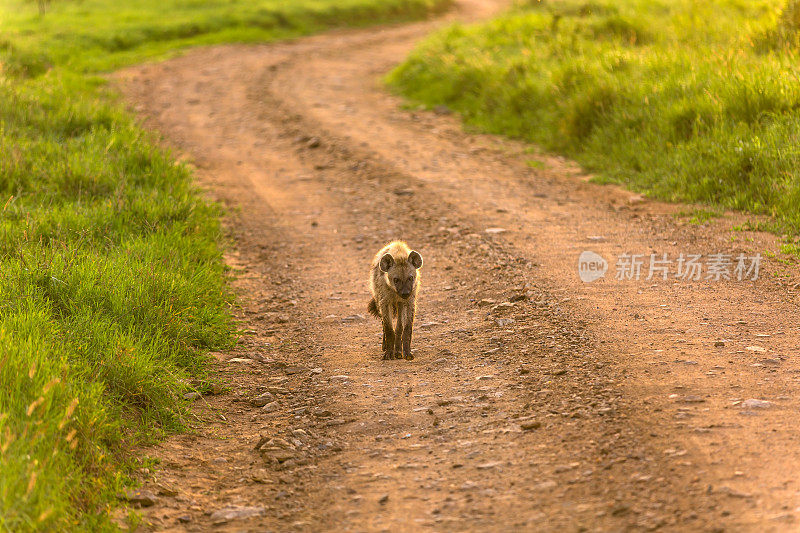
112	284
681	100
94	35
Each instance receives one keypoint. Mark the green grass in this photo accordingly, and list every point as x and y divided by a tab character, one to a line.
112	284
97	35
679	99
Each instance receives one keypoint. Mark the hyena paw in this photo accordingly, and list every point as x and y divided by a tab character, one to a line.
388	355
408	357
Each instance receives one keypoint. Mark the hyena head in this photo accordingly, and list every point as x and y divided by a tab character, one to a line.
401	274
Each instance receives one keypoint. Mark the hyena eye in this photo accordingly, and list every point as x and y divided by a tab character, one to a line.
397	280
410	278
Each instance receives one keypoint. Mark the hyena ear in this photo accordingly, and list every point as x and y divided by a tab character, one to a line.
415	259
387	262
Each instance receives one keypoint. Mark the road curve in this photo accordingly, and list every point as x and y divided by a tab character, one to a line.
536	401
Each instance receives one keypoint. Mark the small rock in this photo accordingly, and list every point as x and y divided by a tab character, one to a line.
719	344
495	231
262	400
442	109
340	377
166	490
527	426
191	396
354	318
141	498
261	442
559	469
233	513
757	349
281	443
404	192
383	499
486	302
692	398
184	519
277	454
317	370
752	403
313	142
240	360
270	407
620	509
490	465
503	322
733	493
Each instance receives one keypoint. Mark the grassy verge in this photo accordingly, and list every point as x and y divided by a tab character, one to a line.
96	35
678	99
111	279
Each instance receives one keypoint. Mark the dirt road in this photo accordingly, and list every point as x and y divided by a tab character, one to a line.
536	401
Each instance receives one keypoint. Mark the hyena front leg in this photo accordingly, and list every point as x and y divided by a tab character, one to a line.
407	329
388	332
398	333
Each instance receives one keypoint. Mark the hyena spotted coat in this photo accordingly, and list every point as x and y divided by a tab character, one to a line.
394	281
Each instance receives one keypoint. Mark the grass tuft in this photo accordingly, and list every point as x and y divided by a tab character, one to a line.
786	31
